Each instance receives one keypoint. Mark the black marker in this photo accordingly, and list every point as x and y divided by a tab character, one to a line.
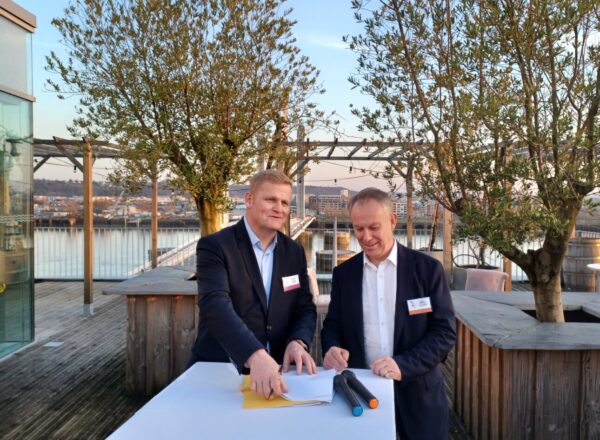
362	391
341	386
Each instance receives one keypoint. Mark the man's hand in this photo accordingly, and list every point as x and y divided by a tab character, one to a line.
386	367
295	353
337	358
264	375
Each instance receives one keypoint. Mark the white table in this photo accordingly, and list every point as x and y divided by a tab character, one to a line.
205	403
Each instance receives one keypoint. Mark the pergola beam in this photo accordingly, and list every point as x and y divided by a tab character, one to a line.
40	163
70	156
380	149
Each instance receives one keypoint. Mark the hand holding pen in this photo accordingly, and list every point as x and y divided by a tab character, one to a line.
265	375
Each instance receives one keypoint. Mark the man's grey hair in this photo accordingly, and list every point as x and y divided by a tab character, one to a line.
371	194
271	176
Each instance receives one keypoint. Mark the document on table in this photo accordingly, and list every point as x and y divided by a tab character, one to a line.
303	389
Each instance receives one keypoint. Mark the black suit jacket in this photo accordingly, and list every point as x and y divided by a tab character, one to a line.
235	319
421	341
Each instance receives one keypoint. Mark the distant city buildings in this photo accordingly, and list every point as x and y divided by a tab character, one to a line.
178	207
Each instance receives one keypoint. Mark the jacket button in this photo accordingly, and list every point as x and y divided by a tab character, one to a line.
268	328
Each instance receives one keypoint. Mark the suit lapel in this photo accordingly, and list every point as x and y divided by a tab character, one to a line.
276	283
405	290
356	301
249	258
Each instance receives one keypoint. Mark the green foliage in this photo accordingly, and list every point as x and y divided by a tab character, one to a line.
506	96
187	87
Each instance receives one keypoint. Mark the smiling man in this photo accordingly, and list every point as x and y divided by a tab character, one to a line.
391	311
256	308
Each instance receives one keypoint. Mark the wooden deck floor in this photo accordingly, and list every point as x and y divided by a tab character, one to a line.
76	390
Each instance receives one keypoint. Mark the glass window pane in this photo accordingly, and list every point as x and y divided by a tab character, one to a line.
15	53
16	244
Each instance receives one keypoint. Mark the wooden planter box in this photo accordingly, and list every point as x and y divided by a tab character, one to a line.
517	378
162	322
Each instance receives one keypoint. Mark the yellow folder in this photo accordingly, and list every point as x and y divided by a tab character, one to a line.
252	400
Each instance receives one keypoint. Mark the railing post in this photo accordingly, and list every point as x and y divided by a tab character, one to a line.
154	221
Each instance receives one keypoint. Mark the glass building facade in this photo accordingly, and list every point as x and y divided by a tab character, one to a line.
16	179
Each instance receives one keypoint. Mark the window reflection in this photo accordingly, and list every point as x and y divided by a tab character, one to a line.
16	222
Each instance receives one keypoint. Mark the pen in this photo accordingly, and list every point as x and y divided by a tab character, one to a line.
272	390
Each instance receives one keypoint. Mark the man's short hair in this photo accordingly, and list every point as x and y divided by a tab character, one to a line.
271	176
371	194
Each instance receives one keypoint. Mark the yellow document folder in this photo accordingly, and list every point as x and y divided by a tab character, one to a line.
252	400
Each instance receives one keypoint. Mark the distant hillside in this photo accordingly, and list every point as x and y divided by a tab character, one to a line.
72	188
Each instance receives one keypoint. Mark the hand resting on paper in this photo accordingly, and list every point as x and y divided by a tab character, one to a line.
297	354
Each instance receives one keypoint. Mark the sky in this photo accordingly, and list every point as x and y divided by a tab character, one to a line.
319	31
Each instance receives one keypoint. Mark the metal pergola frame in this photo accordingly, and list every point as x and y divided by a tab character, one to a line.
83	153
362	150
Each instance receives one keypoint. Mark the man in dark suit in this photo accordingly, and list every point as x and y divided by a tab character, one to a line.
256	308
391	311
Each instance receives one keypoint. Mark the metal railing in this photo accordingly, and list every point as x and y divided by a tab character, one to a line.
119	253
464	252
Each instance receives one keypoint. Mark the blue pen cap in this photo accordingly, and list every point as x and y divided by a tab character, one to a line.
357	411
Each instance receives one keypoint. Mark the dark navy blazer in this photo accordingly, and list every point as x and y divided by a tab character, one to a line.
421	341
235	319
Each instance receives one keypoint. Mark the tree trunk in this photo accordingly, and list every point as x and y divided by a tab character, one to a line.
548	297
210	217
436	215
544	277
410	227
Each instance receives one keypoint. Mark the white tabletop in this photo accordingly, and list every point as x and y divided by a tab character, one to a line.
205	403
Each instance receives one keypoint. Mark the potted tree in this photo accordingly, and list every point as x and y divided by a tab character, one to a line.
509	98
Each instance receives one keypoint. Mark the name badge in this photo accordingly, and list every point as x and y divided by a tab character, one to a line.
419	305
290	283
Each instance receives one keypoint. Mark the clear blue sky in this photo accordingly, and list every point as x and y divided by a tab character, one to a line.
319	30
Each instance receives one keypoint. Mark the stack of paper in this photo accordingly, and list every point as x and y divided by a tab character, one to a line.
303	389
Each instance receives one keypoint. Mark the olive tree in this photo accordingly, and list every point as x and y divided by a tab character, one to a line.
189	87
507	96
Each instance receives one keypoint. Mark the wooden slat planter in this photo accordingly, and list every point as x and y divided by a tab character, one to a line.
518	378
162	318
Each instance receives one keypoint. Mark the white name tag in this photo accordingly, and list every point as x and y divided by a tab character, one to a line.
419	305
290	283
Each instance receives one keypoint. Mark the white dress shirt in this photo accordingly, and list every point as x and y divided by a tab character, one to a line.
379	305
264	258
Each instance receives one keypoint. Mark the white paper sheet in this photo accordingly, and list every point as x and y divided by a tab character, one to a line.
309	387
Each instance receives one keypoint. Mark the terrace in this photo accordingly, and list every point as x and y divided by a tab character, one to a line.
70	383
509	375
